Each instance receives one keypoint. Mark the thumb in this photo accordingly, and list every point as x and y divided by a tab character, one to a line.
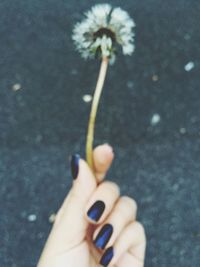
70	225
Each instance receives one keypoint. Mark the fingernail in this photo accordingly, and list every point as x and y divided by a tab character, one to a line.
107	257
75	165
104	236
96	211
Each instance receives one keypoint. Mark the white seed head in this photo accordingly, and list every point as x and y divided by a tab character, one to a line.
102	31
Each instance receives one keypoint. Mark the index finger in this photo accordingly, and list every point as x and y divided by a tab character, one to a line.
103	156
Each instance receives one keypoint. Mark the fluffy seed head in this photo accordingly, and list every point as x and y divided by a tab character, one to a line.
103	31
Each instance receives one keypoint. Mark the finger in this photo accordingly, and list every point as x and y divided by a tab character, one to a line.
129	249
103	156
102	202
123	213
65	234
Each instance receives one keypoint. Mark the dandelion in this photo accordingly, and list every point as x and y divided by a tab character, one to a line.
102	33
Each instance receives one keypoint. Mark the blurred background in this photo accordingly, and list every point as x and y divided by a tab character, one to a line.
149	113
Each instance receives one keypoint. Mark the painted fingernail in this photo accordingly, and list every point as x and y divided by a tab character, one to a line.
107	257
96	211
104	236
75	165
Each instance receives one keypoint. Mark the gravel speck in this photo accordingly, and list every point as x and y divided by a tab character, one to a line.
87	98
187	37
32	218
189	66
74	72
52	218
16	87
182	130
130	84
155	119
155	78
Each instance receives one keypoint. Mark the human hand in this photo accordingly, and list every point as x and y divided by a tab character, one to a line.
95	226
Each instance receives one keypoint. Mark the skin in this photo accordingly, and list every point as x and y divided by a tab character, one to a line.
70	242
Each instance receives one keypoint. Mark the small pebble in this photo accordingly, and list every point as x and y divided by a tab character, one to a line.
16	87
52	218
87	98
189	66
155	119
182	130
155	78
32	218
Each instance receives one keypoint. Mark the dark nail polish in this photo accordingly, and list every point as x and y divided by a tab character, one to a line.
107	257
75	165
103	236
97	209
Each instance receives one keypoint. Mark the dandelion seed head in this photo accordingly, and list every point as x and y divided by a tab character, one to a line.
103	30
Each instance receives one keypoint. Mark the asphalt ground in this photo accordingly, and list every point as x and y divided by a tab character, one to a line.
149	113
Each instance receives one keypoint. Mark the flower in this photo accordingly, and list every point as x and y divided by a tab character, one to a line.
103	30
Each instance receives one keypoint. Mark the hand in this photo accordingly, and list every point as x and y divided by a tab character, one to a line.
95	226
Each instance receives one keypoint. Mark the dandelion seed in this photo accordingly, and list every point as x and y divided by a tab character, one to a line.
103	30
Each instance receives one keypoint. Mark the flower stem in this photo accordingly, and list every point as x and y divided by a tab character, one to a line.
93	112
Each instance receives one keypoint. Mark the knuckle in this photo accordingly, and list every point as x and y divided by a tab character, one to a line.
140	229
112	187
129	202
127	207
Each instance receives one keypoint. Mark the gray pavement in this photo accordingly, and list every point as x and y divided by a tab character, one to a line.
44	122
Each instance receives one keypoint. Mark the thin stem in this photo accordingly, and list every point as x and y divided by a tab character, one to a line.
94	108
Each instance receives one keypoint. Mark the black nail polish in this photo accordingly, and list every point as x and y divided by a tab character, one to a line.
96	211
104	236
75	165
107	257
